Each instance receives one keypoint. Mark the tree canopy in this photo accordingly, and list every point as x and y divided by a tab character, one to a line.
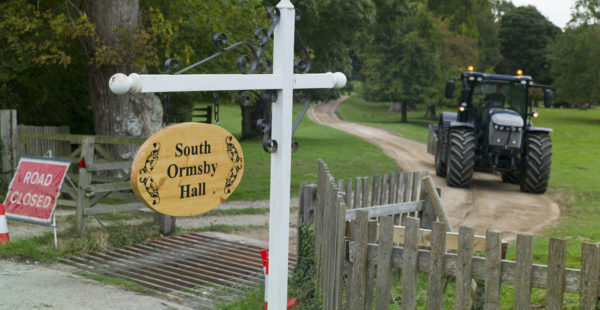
525	35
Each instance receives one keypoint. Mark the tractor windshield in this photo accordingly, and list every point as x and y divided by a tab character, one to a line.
499	95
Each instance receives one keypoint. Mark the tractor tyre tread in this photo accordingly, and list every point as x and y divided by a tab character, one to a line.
538	160
461	157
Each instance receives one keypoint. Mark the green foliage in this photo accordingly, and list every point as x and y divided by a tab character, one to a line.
251	299
304	281
575	66
586	12
403	63
525	35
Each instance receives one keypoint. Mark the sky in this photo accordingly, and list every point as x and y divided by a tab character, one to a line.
557	11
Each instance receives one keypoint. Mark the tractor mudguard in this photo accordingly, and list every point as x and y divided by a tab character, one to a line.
539	129
461	124
448	117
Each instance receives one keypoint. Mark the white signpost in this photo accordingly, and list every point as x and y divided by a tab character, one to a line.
284	81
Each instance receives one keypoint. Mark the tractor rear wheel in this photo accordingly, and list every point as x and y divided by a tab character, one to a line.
538	159
510	177
461	157
440	164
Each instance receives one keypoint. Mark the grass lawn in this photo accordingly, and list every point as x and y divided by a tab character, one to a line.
574	181
344	154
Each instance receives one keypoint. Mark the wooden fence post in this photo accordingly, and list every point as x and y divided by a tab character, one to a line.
409	264
464	268
166	224
384	263
10	140
85	180
493	269
435	282
523	270
359	272
555	281
590	276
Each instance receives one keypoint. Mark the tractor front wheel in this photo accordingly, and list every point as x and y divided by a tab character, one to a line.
461	157
538	159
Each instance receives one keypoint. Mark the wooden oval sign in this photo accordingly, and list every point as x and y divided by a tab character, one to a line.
187	169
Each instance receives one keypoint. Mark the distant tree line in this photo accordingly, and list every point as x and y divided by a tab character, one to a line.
57	55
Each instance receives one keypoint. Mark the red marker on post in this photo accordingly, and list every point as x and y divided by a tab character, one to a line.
291	303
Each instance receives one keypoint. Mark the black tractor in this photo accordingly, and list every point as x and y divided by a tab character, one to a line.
492	131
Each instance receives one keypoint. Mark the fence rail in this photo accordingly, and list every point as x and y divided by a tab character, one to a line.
355	254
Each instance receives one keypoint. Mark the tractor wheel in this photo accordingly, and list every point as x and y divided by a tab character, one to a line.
538	159
510	177
440	164
461	157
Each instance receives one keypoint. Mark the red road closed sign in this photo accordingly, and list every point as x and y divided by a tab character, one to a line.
34	189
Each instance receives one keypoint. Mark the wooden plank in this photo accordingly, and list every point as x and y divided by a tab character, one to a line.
452	239
493	270
384	264
102	209
365	192
359	272
523	269
357	194
410	259
384	210
407	186
463	272
340	186
428	213
393	188
400	190
108	187
437	202
110	165
81	138
375	192
348	199
383	193
435	283
415	189
340	251
555	287
371	264
590	276
103	152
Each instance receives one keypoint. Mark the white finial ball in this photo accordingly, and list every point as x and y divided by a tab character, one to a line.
339	80
120	83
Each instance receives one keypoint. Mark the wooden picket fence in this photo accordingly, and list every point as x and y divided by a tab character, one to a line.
355	257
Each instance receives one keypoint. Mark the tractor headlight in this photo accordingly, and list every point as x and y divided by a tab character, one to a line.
495	126
501	127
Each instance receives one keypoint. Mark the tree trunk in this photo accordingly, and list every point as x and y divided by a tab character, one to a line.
137	115
250	116
430	112
404	112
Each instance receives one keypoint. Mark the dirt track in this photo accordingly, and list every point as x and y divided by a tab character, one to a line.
488	204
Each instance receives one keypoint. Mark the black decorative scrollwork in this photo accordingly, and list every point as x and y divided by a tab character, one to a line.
148	182
245	63
238	164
